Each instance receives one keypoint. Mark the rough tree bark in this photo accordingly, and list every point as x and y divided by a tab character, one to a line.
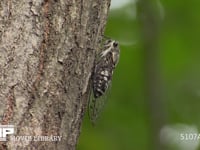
47	50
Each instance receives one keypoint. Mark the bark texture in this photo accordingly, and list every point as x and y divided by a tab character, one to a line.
47	50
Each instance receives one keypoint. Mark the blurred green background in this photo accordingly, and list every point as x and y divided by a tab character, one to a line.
154	102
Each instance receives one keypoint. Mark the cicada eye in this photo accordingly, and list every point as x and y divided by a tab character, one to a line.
115	44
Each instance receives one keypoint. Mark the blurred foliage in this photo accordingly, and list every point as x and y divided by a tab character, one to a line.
124	123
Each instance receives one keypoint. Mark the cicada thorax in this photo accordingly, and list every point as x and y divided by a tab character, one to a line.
102	76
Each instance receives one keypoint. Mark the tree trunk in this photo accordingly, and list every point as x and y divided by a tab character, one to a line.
148	14
47	50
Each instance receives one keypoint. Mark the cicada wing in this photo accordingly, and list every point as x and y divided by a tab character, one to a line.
96	106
